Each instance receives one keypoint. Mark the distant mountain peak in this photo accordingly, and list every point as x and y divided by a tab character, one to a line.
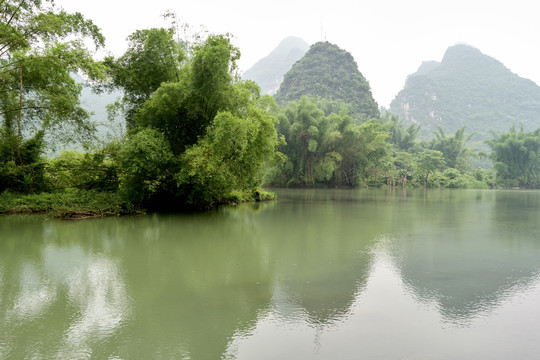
460	49
427	66
470	58
471	89
329	72
291	42
268	72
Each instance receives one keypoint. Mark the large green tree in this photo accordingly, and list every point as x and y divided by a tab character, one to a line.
175	97
40	46
428	162
402	138
153	57
231	155
204	134
454	148
516	158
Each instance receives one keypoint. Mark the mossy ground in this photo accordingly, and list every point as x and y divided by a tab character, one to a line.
80	204
66	204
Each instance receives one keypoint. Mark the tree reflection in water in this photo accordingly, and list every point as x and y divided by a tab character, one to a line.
316	274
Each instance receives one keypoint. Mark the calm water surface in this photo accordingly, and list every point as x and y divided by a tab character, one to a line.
317	274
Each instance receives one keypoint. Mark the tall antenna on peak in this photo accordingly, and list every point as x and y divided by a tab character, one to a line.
322	29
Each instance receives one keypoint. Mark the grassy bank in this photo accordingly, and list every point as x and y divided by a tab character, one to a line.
66	204
78	204
249	196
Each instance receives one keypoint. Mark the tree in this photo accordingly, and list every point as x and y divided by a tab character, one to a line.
182	109
196	134
429	161
331	149
96	171
147	164
302	121
404	165
516	158
39	48
232	154
403	139
37	55
153	57
454	148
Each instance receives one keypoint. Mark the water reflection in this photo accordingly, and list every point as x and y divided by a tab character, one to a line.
446	264
212	281
315	275
319	266
34	297
62	300
99	294
463	256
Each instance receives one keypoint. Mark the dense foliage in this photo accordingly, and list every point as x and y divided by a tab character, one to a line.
467	89
39	47
196	135
153	57
231	156
201	136
182	109
323	149
516	158
328	72
330	149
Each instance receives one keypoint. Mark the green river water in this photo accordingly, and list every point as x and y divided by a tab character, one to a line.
316	274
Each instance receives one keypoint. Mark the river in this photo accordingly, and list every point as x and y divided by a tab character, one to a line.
316	274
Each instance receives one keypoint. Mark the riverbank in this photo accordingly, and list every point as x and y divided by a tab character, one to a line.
83	204
67	204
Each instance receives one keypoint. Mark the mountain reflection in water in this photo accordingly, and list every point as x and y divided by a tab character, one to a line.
317	274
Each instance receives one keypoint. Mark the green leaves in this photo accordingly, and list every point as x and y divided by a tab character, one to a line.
516	157
454	148
197	135
38	97
87	171
428	162
230	157
147	165
183	107
402	138
37	54
329	149
153	57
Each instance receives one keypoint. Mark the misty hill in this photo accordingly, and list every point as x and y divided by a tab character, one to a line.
268	72
468	88
328	72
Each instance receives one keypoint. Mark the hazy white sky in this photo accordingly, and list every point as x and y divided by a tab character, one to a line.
388	38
